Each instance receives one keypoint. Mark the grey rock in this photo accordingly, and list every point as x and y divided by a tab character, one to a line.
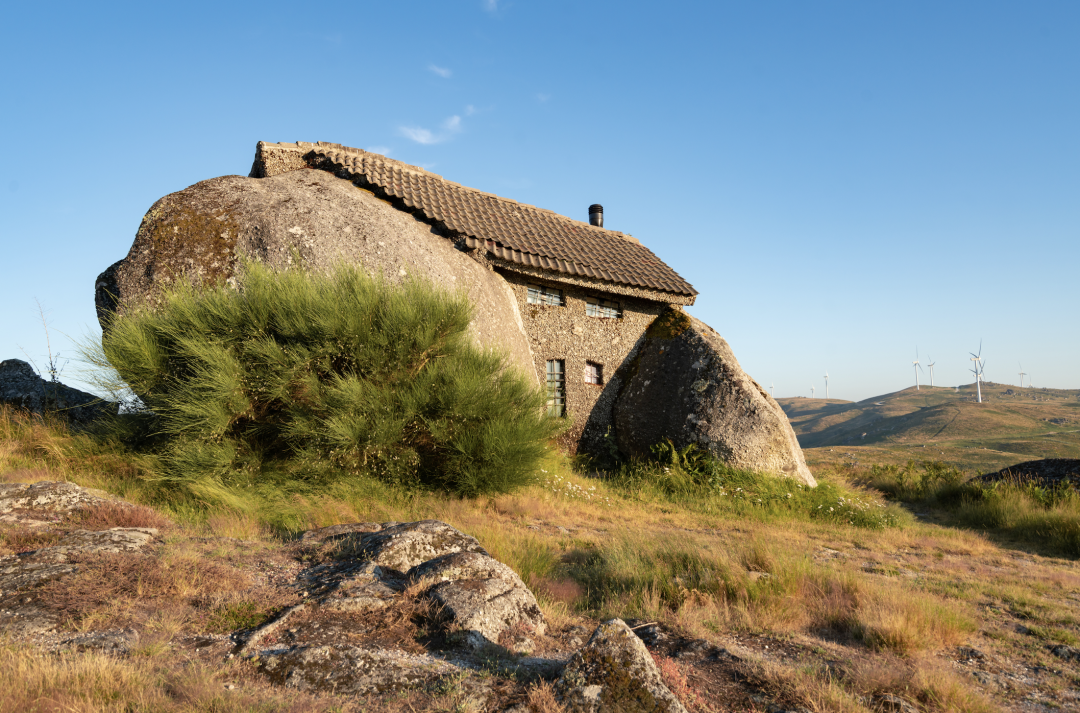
614	673
27	620
29	569
203	231
49	497
19	573
362	589
354	670
403	546
111	541
481	600
338	532
888	703
109	641
351	670
687	386
21	386
1065	652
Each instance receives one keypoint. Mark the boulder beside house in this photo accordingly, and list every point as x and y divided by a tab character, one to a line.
568	300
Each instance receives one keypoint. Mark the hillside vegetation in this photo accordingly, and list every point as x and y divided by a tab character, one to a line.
943	424
275	410
829	599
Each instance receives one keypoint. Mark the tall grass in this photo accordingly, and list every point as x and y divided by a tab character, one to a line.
1046	517
693	478
302	378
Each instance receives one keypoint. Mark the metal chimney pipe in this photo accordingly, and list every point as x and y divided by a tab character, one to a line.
596	215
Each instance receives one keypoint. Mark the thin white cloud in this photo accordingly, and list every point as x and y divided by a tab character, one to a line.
427	137
441	71
383	150
491	5
542	97
420	136
470	110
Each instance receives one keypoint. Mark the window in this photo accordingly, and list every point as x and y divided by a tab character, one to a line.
556	387
540	295
594	373
596	307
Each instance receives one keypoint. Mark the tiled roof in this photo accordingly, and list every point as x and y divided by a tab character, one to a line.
511	231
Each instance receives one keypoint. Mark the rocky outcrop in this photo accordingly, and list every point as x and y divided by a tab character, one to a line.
615	673
1047	473
35	507
203	231
355	670
22	387
22	502
477	601
686	385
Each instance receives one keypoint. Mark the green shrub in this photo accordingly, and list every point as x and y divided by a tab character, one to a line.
298	377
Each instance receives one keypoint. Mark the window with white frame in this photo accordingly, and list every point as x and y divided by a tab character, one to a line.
594	373
556	387
549	296
598	307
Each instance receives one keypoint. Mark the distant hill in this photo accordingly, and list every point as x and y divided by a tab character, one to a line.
1011	425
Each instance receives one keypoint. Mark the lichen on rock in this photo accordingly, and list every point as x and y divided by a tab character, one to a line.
615	673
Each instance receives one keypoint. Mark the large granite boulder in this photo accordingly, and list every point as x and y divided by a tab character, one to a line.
686	385
203	231
21	386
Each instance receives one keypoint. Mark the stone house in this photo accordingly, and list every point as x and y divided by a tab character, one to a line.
585	294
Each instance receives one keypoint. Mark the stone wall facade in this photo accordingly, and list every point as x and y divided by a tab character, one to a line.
566	333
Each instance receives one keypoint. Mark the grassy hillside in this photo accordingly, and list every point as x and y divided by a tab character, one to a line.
941	423
831	599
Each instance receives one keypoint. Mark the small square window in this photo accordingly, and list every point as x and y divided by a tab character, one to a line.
548	296
597	307
594	373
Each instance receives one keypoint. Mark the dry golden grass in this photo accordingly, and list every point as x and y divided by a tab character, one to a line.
93	682
19	539
817	691
103	516
541	698
167	592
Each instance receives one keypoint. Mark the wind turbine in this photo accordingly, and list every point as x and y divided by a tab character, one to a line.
917	368
931	367
826	384
811	392
977	358
1022	375
772	388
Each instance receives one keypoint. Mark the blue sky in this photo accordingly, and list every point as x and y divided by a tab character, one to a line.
842	181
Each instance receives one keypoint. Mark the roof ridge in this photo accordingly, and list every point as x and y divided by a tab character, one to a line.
315	146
